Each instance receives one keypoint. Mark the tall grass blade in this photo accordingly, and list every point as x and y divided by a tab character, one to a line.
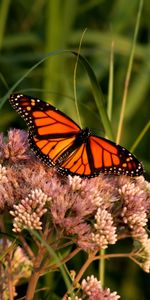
128	74
4	8
141	135
111	82
74	79
98	96
138	90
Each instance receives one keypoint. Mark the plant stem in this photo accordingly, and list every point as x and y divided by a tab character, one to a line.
84	267
32	285
64	260
10	281
37	268
81	272
102	267
26	247
107	256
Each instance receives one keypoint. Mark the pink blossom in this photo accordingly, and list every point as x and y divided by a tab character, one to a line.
105	230
17	146
134	211
28	213
88	211
93	289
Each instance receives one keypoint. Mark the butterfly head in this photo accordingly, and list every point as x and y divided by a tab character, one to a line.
84	134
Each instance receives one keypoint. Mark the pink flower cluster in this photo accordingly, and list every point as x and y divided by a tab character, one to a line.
135	205
103	235
91	289
92	213
28	212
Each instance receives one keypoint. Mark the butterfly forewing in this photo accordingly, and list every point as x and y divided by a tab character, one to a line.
42	118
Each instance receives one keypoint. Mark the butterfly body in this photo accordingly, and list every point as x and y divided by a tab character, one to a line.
81	138
58	141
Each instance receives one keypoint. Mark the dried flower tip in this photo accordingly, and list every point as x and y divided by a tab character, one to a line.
27	214
75	182
3	173
97	200
105	231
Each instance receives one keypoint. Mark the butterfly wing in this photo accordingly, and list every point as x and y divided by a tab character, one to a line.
51	149
51	132
54	138
111	158
42	118
99	155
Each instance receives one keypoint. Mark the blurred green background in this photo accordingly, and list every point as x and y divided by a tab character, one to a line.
31	29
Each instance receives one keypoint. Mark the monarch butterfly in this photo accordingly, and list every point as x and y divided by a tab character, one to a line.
58	141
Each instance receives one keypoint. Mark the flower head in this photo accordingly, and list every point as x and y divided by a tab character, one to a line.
91	212
28	212
16	147
93	289
135	204
105	230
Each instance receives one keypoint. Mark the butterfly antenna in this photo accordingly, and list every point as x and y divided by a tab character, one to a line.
74	79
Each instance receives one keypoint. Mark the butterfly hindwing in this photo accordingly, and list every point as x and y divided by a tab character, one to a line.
50	150
111	158
76	162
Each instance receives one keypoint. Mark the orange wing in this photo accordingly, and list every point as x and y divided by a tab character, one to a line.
43	119
51	149
111	158
98	155
76	163
59	141
51	132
